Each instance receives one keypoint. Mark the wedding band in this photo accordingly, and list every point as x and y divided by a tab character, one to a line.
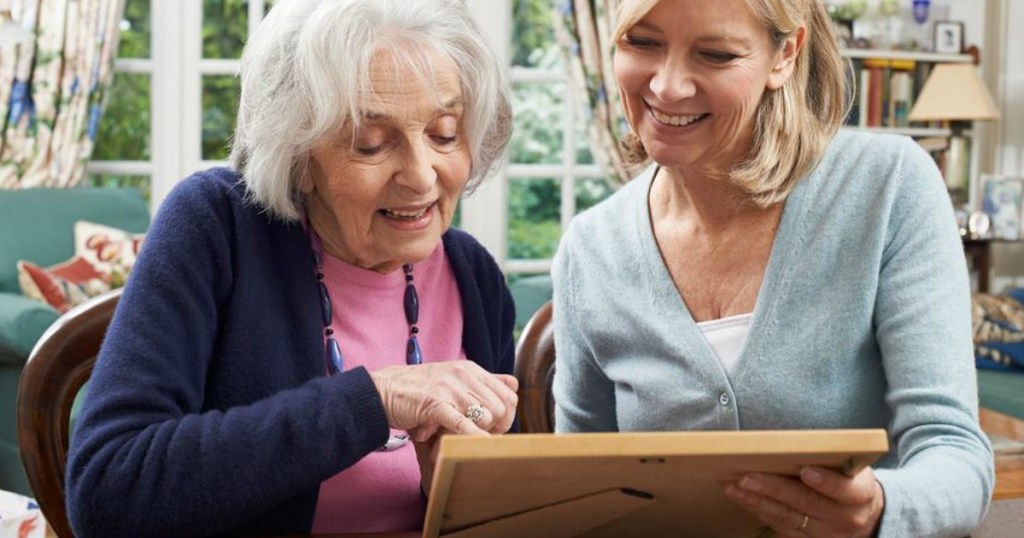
475	413
804	523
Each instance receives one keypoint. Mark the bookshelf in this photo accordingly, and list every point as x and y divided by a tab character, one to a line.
885	85
930	57
887	81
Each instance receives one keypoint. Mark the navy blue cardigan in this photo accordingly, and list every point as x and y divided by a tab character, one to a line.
208	411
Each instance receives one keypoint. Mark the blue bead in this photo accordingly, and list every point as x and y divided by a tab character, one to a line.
413	355
412	305
335	363
325	304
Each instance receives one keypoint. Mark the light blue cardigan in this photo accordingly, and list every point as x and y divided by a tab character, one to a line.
863	320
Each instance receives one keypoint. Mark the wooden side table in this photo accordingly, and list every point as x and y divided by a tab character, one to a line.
979	251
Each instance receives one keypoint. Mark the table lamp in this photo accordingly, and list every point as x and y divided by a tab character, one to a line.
955	93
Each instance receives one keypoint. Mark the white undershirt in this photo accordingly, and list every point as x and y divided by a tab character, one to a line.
726	337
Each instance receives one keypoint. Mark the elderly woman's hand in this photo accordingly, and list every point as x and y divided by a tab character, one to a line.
820	503
426	456
434	398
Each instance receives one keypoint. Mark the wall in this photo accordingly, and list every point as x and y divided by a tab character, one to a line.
1009	132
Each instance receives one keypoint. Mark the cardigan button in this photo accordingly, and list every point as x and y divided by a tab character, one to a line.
723	398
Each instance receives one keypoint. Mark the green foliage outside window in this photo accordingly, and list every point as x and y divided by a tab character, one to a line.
225	28
135	30
220	108
125	128
533	218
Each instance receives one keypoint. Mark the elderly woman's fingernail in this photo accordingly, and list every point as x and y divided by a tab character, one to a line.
751	483
811	476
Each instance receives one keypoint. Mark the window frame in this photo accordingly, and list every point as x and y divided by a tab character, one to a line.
176	69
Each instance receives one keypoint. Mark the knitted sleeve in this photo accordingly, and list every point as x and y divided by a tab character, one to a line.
149	455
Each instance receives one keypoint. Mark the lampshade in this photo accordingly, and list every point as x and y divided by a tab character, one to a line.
11	33
954	92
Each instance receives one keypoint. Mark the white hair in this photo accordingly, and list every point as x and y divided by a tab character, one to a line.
306	69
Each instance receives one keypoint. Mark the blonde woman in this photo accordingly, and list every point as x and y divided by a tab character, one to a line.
768	271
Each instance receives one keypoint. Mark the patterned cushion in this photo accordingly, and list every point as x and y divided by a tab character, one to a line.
64	285
111	251
998	322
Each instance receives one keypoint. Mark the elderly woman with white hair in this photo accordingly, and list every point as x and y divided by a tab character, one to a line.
297	322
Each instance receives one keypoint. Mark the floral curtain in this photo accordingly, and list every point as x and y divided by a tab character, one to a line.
583	29
51	89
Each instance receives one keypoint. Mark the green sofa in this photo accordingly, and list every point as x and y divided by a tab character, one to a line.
37	225
1002	392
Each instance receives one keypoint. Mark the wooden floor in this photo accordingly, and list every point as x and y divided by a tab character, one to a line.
1009	468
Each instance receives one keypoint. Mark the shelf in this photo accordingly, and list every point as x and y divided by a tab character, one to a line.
907	55
909	131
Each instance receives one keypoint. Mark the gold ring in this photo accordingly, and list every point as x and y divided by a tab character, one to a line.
803	524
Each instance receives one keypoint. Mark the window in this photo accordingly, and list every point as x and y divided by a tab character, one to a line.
123	152
173	102
551	174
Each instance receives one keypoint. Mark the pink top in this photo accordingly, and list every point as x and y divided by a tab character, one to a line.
381	493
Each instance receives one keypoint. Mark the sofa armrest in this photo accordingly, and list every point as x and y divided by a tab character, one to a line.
22	322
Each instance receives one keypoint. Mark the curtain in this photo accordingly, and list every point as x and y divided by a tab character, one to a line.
51	89
583	29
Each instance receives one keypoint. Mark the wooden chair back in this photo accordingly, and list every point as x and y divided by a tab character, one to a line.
59	365
535	369
63	359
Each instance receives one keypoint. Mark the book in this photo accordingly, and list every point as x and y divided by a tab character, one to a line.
622	484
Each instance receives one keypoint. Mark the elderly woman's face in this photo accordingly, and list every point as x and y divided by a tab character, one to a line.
382	194
692	74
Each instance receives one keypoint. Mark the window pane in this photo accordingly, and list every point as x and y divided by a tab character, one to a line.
537	115
534	223
533	36
124	127
584	153
220	105
590	191
224	28
142	183
134	40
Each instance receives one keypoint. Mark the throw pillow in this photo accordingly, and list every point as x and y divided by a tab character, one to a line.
998	322
62	286
112	251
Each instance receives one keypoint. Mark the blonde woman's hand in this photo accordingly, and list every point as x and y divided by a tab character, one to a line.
820	502
442	397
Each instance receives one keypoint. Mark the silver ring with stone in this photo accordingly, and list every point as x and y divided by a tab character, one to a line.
475	413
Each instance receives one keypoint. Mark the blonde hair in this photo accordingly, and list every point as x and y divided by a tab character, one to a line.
794	123
306	69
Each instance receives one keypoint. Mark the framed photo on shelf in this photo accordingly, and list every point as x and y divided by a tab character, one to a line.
1002	202
949	37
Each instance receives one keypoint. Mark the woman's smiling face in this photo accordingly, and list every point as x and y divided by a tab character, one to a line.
691	74
382	193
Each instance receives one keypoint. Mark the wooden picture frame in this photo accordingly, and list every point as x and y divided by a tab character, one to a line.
601	485
949	37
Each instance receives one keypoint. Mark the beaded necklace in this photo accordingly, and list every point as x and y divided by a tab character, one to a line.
332	351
